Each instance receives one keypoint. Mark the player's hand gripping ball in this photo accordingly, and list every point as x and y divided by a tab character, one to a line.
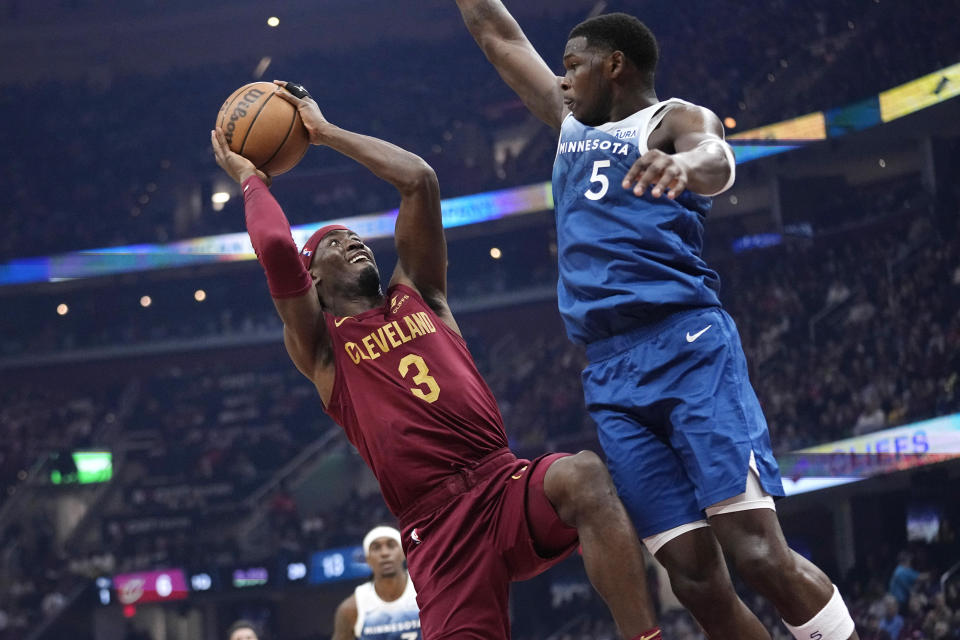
263	128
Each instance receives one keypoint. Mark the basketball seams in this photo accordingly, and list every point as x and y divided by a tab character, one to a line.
293	121
253	122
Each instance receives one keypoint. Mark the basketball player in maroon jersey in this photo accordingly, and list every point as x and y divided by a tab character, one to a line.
393	370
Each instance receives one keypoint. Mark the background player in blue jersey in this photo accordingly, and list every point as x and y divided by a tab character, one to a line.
667	383
385	608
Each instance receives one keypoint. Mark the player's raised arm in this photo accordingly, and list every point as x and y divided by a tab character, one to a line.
686	152
515	59
421	246
291	287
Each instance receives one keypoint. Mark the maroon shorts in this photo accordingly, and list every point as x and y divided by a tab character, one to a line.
467	539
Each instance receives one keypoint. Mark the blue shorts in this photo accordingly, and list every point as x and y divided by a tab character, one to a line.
677	418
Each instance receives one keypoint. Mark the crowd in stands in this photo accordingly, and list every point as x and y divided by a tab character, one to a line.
106	174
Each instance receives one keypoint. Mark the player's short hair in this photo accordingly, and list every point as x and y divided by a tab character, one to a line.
621	32
242	624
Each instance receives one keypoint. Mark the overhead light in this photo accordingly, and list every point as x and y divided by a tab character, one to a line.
145	301
62	309
730	122
220	197
495	253
199	295
273	21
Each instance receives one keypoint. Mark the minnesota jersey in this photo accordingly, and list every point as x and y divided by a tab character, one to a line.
623	261
409	396
380	620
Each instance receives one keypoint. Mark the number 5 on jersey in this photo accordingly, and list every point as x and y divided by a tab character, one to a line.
422	378
596	176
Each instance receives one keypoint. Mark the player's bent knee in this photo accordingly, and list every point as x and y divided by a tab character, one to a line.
578	483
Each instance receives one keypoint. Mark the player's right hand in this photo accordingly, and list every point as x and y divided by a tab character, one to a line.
310	113
236	166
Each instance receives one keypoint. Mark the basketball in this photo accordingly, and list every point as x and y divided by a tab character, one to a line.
263	128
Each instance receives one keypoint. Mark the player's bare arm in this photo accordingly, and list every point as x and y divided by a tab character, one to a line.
518	63
344	619
304	332
421	245
687	151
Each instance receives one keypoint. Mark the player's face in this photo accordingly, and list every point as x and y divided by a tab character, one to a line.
586	88
385	558
343	257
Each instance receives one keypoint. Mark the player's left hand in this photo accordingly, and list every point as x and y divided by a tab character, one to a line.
236	166
665	173
309	110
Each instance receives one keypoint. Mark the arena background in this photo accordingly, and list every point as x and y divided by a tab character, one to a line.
154	430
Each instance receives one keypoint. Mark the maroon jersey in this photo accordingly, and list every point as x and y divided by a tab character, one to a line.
409	396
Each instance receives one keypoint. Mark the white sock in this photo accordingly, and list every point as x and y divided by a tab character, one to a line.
833	622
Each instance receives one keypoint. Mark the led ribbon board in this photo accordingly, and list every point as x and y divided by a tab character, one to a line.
482	207
858	458
232	247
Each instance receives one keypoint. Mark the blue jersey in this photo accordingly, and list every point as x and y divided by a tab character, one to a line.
624	261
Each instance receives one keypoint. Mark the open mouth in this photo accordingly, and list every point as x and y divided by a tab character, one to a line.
360	257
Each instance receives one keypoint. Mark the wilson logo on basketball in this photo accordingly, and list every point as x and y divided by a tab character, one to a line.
240	111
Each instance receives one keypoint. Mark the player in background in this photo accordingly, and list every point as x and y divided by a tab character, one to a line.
394	371
242	630
384	608
685	438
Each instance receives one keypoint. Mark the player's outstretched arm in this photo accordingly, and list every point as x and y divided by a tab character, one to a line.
344	619
518	63
291	287
686	152
421	245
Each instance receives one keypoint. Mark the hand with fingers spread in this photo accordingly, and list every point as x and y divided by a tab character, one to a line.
666	174
236	166
313	119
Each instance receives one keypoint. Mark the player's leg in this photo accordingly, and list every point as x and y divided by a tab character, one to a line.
699	578
803	595
582	493
721	436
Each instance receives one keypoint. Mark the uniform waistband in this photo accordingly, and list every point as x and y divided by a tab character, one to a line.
612	345
454	485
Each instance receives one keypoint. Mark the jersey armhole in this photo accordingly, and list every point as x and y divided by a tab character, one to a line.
658	117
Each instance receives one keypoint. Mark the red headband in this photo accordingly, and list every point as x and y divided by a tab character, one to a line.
310	247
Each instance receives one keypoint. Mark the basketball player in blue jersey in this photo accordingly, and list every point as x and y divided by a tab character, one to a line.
384	608
685	439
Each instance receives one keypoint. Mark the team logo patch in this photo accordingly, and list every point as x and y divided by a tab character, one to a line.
621	134
396	304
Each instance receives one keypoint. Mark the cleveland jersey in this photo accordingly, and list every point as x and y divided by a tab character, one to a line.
623	261
381	620
409	396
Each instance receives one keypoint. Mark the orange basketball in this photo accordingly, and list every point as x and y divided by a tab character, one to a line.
263	128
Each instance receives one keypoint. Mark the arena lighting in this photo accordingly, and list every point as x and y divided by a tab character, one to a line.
145	301
199	295
62	309
730	122
273	21
220	197
495	253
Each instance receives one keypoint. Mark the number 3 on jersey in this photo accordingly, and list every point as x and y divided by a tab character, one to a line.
598	177
422	378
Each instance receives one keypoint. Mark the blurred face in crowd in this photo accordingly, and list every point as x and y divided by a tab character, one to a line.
243	633
385	558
